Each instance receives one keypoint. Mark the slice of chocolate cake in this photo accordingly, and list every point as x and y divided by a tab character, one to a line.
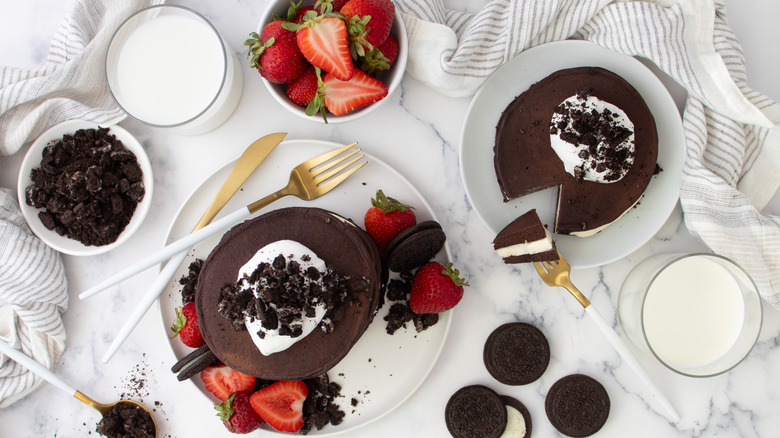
586	131
351	275
525	240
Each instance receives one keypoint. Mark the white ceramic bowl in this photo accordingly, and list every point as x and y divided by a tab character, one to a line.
391	77
32	160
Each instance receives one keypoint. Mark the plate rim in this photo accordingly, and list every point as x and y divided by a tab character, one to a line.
672	125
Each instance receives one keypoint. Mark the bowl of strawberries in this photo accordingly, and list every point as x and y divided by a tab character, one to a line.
330	61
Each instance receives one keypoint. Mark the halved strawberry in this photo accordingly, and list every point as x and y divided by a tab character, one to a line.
281	404
342	97
222	381
323	42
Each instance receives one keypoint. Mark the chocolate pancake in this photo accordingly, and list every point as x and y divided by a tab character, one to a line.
345	248
525	162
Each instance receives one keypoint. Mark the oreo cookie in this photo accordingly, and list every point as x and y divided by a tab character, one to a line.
516	353
516	429
414	246
577	405
475	411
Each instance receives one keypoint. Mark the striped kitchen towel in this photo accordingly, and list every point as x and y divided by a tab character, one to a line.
71	84
732	166
33	296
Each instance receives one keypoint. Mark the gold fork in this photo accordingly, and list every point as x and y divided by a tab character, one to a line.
308	180
556	273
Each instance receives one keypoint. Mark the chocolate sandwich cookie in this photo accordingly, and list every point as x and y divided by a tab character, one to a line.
516	353
414	246
475	411
520	407
577	405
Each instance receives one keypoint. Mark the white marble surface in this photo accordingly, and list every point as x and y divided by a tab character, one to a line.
419	123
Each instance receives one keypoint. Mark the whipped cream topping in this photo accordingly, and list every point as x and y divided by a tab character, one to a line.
526	247
271	340
593	138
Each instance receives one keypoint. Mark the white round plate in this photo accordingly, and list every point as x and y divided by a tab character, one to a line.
629	232
381	371
32	160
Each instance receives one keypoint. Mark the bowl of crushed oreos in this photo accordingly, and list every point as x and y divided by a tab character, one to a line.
85	189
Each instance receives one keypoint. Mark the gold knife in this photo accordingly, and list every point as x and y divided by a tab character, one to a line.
245	165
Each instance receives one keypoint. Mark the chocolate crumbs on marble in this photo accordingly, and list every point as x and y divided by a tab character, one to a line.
88	186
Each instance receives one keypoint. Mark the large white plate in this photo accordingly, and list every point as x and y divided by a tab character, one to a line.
381	371
477	139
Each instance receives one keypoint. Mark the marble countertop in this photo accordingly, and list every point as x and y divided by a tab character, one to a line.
742	403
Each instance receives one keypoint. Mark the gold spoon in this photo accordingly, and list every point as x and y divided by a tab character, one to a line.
50	377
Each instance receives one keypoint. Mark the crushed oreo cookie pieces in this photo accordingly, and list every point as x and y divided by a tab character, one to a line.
127	420
398	291
601	133
320	407
88	185
189	281
286	293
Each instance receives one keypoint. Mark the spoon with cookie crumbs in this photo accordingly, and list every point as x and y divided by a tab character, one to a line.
117	417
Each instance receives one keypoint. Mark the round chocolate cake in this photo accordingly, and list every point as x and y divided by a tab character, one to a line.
346	250
525	161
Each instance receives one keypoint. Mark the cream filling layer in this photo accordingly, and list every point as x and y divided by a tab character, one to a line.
533	247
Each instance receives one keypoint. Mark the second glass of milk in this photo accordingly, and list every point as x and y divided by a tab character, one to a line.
167	66
698	314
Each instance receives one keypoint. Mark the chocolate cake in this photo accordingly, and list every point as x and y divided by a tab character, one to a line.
346	250
525	240
525	161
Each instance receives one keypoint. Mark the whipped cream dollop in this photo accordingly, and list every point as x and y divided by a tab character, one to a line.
271	340
593	138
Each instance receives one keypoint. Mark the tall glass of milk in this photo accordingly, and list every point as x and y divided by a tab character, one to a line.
167	66
698	314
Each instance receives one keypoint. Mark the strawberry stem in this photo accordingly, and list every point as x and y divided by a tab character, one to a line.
388	205
454	274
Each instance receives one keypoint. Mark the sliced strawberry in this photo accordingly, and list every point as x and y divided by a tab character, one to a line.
342	97
323	42
281	404
222	381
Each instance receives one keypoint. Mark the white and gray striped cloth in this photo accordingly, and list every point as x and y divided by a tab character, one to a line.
732	167
33	288
33	295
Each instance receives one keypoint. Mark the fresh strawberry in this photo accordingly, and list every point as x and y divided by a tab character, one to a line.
342	97
381	57
237	414
369	23
436	288
323	42
300	15
186	326
222	381
281	404
386	218
275	53
303	90
327	6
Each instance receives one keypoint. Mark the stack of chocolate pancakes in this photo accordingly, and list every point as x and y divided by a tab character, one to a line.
344	247
525	162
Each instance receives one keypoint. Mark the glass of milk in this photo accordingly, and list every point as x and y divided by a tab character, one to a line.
167	66
698	314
